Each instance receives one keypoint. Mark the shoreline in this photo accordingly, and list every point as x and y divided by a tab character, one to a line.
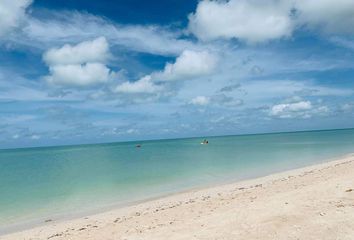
137	208
63	217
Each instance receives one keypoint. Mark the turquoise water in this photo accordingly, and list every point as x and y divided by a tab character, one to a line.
41	182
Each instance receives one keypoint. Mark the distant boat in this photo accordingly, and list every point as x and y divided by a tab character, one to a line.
138	145
205	142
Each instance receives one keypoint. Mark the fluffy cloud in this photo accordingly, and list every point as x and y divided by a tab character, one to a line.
79	65
189	64
80	75
143	85
88	51
12	13
255	21
300	109
280	109
248	20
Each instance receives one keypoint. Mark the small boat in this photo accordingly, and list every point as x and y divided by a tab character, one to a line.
205	142
138	145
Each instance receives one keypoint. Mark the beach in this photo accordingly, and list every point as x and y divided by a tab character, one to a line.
315	202
177	120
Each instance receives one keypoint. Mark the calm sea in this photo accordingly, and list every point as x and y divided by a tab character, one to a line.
39	183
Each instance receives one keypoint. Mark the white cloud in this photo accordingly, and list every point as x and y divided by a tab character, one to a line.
80	75
255	21
79	65
328	15
248	20
188	64
88	51
12	13
300	109
58	27
280	109
200	100
143	85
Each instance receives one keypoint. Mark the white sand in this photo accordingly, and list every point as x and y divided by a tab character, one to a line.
316	202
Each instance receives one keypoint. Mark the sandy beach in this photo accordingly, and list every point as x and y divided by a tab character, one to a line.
316	202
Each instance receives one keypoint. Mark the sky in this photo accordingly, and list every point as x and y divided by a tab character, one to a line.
79	71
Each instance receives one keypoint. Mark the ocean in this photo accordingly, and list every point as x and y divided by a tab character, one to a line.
53	182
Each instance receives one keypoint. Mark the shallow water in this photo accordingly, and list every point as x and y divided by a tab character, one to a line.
41	182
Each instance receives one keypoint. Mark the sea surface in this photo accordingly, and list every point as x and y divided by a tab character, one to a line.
51	182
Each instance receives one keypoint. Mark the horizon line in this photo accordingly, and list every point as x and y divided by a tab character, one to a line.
178	138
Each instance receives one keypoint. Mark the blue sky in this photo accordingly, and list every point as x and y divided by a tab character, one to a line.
100	71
